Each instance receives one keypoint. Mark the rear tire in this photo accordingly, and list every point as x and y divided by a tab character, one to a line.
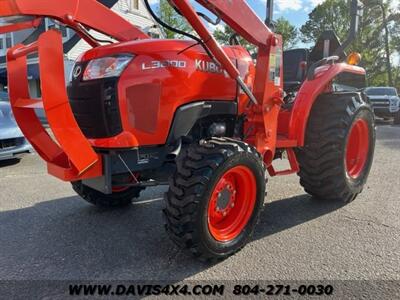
114	200
339	147
215	198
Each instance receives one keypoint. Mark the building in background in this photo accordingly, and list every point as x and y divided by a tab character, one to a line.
132	10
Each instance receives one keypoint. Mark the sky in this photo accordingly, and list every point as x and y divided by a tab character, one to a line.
296	11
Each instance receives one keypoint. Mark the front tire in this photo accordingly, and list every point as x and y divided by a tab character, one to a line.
339	147
119	197
215	198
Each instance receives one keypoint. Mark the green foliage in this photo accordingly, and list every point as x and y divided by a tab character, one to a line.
282	26
168	14
370	42
330	15
288	31
223	33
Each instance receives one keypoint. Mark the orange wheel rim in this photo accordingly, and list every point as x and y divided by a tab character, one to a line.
232	203
357	148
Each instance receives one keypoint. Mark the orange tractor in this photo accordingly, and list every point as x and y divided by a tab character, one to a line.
208	120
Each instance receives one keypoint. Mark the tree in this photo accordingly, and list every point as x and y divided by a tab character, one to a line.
373	41
224	33
282	26
288	31
386	24
330	15
168	14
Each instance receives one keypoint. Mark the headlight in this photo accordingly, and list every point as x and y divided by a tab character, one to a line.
394	102
106	67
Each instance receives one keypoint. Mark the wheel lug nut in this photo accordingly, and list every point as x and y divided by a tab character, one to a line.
233	205
224	213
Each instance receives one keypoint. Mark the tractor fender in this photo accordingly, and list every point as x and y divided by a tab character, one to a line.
187	115
311	90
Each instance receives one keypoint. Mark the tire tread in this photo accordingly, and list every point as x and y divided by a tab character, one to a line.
320	160
186	190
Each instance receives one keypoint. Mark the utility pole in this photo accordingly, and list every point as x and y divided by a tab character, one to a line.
270	13
387	44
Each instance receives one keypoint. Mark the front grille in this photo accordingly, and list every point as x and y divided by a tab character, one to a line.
10	143
95	106
380	102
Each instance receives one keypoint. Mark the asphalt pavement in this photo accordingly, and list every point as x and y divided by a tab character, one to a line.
47	232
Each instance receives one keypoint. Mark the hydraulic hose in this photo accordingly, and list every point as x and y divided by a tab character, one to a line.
169	27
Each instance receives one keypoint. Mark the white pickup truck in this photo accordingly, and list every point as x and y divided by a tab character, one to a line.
385	102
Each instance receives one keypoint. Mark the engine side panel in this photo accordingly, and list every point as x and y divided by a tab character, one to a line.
162	77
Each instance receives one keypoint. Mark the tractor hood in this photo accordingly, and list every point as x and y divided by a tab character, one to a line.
139	47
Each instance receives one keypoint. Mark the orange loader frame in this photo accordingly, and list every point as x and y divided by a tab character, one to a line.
70	156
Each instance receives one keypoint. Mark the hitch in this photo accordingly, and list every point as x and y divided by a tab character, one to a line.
70	157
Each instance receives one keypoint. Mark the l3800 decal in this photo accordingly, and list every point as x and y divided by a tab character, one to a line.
200	65
159	64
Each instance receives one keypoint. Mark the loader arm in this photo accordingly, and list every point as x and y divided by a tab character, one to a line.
76	160
73	13
267	90
70	157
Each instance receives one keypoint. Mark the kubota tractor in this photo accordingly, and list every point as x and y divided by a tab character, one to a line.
207	120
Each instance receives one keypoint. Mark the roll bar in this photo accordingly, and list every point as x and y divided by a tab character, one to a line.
356	12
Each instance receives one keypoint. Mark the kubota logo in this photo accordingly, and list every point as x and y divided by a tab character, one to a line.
208	66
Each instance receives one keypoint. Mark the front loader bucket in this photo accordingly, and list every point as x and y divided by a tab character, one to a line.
71	158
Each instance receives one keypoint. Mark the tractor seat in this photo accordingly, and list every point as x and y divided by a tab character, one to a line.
294	68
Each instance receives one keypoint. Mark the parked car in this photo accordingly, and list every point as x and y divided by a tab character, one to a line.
12	142
385	102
